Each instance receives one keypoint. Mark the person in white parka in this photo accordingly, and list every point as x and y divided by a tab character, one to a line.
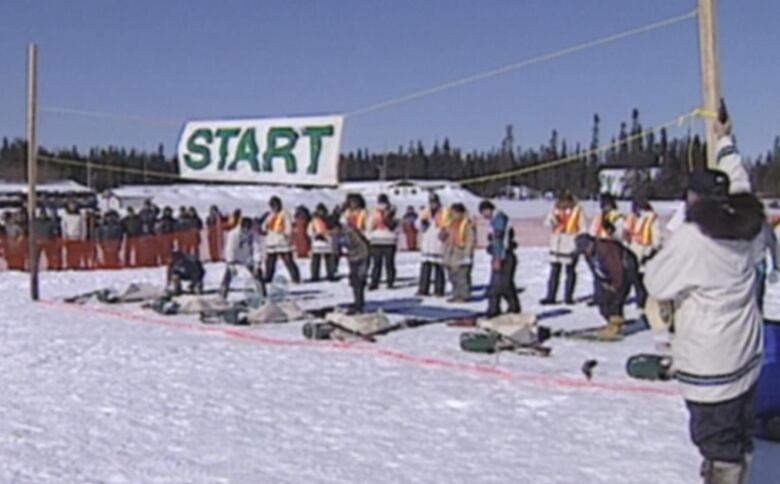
278	230
243	248
707	268
433	224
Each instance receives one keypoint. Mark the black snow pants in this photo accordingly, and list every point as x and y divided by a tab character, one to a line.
382	255
439	281
289	262
723	431
502	286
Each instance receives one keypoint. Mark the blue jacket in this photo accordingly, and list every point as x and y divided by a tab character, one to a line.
501	237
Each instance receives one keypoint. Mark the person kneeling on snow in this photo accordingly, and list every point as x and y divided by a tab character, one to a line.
613	266
707	268
185	267
357	249
459	253
243	249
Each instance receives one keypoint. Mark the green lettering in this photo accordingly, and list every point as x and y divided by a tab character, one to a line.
199	149
246	151
275	150
225	135
315	134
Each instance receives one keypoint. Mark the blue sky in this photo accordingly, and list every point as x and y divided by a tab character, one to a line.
201	59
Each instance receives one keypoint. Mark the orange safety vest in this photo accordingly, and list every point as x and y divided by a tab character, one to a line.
320	227
568	220
443	218
644	233
612	217
459	231
378	220
357	219
276	223
630	232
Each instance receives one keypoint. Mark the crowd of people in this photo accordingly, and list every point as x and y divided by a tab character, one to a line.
76	238
712	266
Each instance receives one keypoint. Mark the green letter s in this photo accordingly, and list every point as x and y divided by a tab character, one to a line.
199	149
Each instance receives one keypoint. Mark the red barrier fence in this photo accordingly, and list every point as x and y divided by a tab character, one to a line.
155	250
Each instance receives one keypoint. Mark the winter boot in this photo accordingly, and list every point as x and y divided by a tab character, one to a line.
613	329
720	472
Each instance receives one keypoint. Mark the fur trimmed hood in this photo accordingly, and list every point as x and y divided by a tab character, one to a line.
738	217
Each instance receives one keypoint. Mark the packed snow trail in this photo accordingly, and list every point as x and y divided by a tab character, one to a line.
91	397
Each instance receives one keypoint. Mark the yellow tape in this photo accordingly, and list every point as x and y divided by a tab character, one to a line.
101	167
579	156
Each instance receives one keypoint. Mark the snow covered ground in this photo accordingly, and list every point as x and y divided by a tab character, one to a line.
121	395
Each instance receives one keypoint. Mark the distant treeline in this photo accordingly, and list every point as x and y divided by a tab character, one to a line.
671	157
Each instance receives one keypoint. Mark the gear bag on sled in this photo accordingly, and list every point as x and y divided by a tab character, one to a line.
513	332
341	325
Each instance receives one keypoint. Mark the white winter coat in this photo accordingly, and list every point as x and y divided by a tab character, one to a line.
718	328
244	248
644	251
562	244
378	233
431	244
74	226
321	244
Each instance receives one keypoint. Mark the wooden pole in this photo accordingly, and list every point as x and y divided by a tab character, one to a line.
710	71
32	167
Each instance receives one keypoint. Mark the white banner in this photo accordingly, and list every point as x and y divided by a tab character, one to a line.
290	151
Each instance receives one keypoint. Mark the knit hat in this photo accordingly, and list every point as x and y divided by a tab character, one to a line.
713	183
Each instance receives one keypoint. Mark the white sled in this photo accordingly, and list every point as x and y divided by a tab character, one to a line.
361	324
518	328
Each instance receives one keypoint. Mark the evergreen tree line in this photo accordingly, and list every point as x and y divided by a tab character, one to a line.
670	158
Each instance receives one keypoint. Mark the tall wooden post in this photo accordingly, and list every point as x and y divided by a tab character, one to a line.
710	71
32	167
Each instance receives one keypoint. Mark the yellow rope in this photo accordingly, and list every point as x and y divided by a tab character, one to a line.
579	156
466	181
103	167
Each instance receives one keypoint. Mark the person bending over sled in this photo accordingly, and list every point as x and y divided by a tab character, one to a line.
503	263
243	249
613	266
707	268
185	267
357	249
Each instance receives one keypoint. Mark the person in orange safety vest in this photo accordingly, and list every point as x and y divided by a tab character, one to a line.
566	220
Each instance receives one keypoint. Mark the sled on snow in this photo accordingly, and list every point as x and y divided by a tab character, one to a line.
516	333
